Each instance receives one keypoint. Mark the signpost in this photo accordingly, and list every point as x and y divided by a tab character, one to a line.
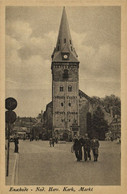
10	117
10	103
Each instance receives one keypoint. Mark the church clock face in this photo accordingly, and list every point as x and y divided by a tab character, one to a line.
65	56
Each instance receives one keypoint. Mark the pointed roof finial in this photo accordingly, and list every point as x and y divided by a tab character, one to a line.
64	40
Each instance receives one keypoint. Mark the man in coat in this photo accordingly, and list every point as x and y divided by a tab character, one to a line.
95	146
86	147
81	142
53	141
77	148
16	142
50	141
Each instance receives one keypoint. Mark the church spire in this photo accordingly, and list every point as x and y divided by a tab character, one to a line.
64	42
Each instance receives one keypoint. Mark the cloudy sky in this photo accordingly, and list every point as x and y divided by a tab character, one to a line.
31	34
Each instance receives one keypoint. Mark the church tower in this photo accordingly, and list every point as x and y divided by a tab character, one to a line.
65	83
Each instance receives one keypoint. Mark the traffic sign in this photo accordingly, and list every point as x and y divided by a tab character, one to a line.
10	116
10	103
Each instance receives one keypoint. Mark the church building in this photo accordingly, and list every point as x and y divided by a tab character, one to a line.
65	82
70	111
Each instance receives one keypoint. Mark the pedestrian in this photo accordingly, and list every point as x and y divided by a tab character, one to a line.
111	138
53	141
118	140
77	148
16	142
87	147
24	138
81	141
30	137
50	142
95	147
56	140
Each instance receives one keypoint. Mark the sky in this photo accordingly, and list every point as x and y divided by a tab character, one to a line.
31	35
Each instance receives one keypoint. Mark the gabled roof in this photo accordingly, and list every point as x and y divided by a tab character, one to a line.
64	42
50	104
82	94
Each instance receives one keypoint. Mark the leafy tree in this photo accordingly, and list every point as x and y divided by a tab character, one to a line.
112	102
109	103
89	124
95	99
99	124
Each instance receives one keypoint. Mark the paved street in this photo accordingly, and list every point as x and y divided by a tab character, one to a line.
39	164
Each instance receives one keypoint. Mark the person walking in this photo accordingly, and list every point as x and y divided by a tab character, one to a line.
53	141
87	147
56	140
50	142
16	142
77	148
31	138
81	142
95	147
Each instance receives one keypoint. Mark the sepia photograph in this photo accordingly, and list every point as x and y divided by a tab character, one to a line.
62	97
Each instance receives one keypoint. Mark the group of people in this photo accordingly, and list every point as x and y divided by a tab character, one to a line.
87	144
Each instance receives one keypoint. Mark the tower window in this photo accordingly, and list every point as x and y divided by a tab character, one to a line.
61	88
64	40
58	48
61	103
65	74
70	41
69	88
59	41
69	104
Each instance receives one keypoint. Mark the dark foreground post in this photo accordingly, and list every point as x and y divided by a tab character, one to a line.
10	117
8	147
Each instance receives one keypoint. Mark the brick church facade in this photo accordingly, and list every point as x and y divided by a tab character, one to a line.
67	112
70	111
65	81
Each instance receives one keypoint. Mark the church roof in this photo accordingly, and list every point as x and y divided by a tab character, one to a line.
82	94
64	42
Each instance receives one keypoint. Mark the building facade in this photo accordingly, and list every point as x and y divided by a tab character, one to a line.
65	82
70	111
115	127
